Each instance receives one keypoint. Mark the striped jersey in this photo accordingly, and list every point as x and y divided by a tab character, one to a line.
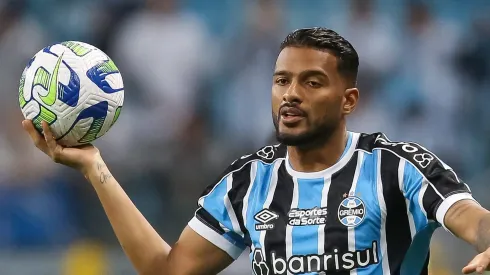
373	212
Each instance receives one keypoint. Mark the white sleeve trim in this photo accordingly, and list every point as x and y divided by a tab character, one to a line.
447	203
212	236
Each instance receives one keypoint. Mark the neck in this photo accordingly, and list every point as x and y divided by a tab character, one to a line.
321	157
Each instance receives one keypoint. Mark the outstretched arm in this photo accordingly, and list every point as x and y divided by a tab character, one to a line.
148	252
471	222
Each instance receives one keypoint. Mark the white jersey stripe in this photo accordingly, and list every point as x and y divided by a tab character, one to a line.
351	236
253	174
382	206
289	228
321	229
425	184
401	183
229	207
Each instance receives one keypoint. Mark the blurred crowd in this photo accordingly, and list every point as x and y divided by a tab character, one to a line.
197	95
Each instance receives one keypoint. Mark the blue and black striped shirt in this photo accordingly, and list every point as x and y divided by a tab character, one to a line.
373	212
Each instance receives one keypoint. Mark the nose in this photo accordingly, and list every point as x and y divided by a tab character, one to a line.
293	94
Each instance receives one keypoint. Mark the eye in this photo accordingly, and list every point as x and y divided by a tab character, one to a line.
314	84
281	81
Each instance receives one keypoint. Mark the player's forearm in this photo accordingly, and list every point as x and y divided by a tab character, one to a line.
482	240
144	247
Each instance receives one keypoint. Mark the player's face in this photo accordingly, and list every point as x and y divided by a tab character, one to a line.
308	96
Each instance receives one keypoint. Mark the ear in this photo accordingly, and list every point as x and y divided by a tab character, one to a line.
351	96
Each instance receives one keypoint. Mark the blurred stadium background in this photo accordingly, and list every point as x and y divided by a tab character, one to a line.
198	77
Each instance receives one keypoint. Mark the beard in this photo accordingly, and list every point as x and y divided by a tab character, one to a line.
316	135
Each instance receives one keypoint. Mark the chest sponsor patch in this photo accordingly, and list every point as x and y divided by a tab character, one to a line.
303	217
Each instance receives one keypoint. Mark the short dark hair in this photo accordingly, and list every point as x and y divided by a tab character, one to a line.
324	39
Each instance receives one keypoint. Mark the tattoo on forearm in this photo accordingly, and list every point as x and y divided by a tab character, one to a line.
483	234
103	176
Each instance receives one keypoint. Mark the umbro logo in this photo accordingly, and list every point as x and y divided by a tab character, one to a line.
265	218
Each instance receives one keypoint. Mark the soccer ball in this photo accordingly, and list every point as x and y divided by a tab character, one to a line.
76	88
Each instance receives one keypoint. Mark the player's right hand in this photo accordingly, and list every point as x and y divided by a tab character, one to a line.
80	158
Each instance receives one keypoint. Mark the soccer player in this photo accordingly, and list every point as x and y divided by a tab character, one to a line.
324	200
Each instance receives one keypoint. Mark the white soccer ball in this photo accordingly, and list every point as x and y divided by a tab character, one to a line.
76	88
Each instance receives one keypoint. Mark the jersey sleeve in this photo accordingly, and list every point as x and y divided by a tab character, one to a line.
430	185
218	217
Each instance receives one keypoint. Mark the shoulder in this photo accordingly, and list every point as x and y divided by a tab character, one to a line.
423	159
266	155
241	168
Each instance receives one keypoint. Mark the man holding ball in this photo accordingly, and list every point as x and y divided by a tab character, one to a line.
323	200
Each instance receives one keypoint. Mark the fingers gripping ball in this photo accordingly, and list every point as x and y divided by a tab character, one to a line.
76	88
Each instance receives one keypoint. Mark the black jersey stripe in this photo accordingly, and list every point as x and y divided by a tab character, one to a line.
398	236
336	233
275	239
241	183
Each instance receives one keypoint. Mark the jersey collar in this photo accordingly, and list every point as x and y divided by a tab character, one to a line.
349	150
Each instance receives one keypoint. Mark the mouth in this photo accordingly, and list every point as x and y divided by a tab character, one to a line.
291	115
